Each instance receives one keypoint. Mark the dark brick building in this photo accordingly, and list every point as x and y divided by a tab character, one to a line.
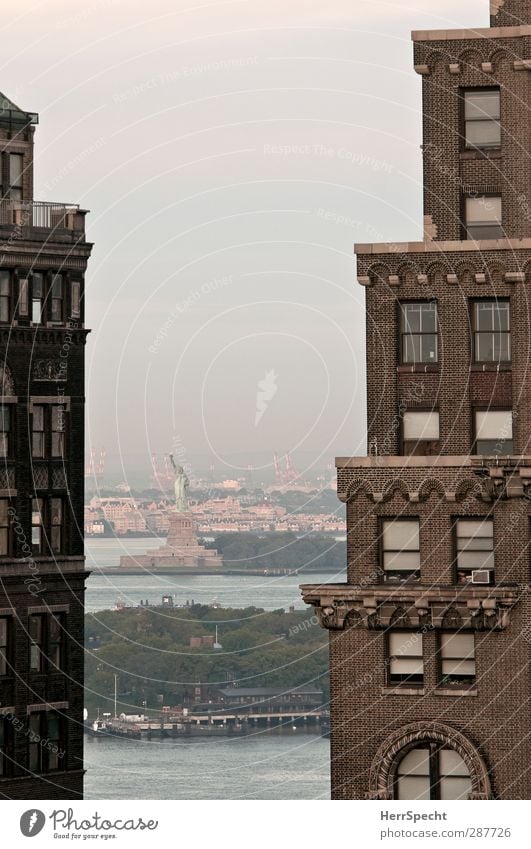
430	638
43	257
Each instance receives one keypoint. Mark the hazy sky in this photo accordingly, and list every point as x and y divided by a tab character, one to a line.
230	153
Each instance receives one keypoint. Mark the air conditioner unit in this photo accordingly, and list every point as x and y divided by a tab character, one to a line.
481	576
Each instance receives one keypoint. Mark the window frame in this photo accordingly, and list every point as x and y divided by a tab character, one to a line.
464	682
474	323
6	528
414	681
44	507
6	648
501	440
464	576
435	775
38	302
467	235
6	298
403	334
423	443
388	575
44	761
16	190
50	640
6	413
469	90
6	747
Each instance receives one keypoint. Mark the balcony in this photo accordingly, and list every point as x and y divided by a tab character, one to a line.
35	219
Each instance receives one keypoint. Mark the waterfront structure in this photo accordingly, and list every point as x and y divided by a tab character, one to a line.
181	549
43	257
430	637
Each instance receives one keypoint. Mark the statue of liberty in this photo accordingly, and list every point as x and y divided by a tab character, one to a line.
181	487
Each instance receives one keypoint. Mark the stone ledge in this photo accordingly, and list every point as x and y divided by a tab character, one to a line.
443	691
402	691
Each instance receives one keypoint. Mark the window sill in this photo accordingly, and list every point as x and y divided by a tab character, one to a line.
493	367
418	368
403	691
481	153
451	691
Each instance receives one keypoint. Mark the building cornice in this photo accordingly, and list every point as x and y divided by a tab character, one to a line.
488	33
431	246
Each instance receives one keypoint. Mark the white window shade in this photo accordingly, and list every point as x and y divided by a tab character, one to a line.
484	210
470	528
416	762
405	644
421	425
457	646
494	424
401	536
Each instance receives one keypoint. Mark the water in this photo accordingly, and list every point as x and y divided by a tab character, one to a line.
291	765
257	767
103	591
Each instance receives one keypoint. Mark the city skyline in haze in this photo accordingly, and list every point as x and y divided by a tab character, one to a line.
230	153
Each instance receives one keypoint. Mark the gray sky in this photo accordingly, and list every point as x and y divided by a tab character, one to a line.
230	153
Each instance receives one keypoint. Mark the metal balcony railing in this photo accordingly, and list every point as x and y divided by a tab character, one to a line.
50	216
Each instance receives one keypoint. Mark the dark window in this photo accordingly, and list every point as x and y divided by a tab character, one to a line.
457	658
432	772
420	433
494	432
419	332
56	526
56	298
38	440
406	664
37	298
475	547
5	628
5	528
35	750
5	746
5	296
16	171
482	118
58	430
483	217
400	549
56	640
37	647
46	741
5	430
492	331
37	526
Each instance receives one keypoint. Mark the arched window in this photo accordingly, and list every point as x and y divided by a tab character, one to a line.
432	771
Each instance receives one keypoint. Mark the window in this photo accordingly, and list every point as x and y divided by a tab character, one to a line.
482	118
401	549
5	666
406	665
37	530
5	528
76	299
56	536
58	430
23	297
483	217
492	331
38	441
5	430
420	433
475	547
458	664
419	332
48	526
37	298
16	171
36	635
494	432
47	642
5	752
46	742
5	296
432	772
56	298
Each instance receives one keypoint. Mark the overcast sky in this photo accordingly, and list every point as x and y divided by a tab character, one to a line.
230	153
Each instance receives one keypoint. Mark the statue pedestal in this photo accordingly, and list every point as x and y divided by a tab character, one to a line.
182	548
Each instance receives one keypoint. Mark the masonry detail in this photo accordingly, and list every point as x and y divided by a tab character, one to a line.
430	637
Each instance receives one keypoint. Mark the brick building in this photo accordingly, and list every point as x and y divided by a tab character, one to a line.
430	637
43	256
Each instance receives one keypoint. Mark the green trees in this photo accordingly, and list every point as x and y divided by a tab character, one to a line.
149	650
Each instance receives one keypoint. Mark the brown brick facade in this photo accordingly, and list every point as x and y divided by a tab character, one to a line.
469	499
